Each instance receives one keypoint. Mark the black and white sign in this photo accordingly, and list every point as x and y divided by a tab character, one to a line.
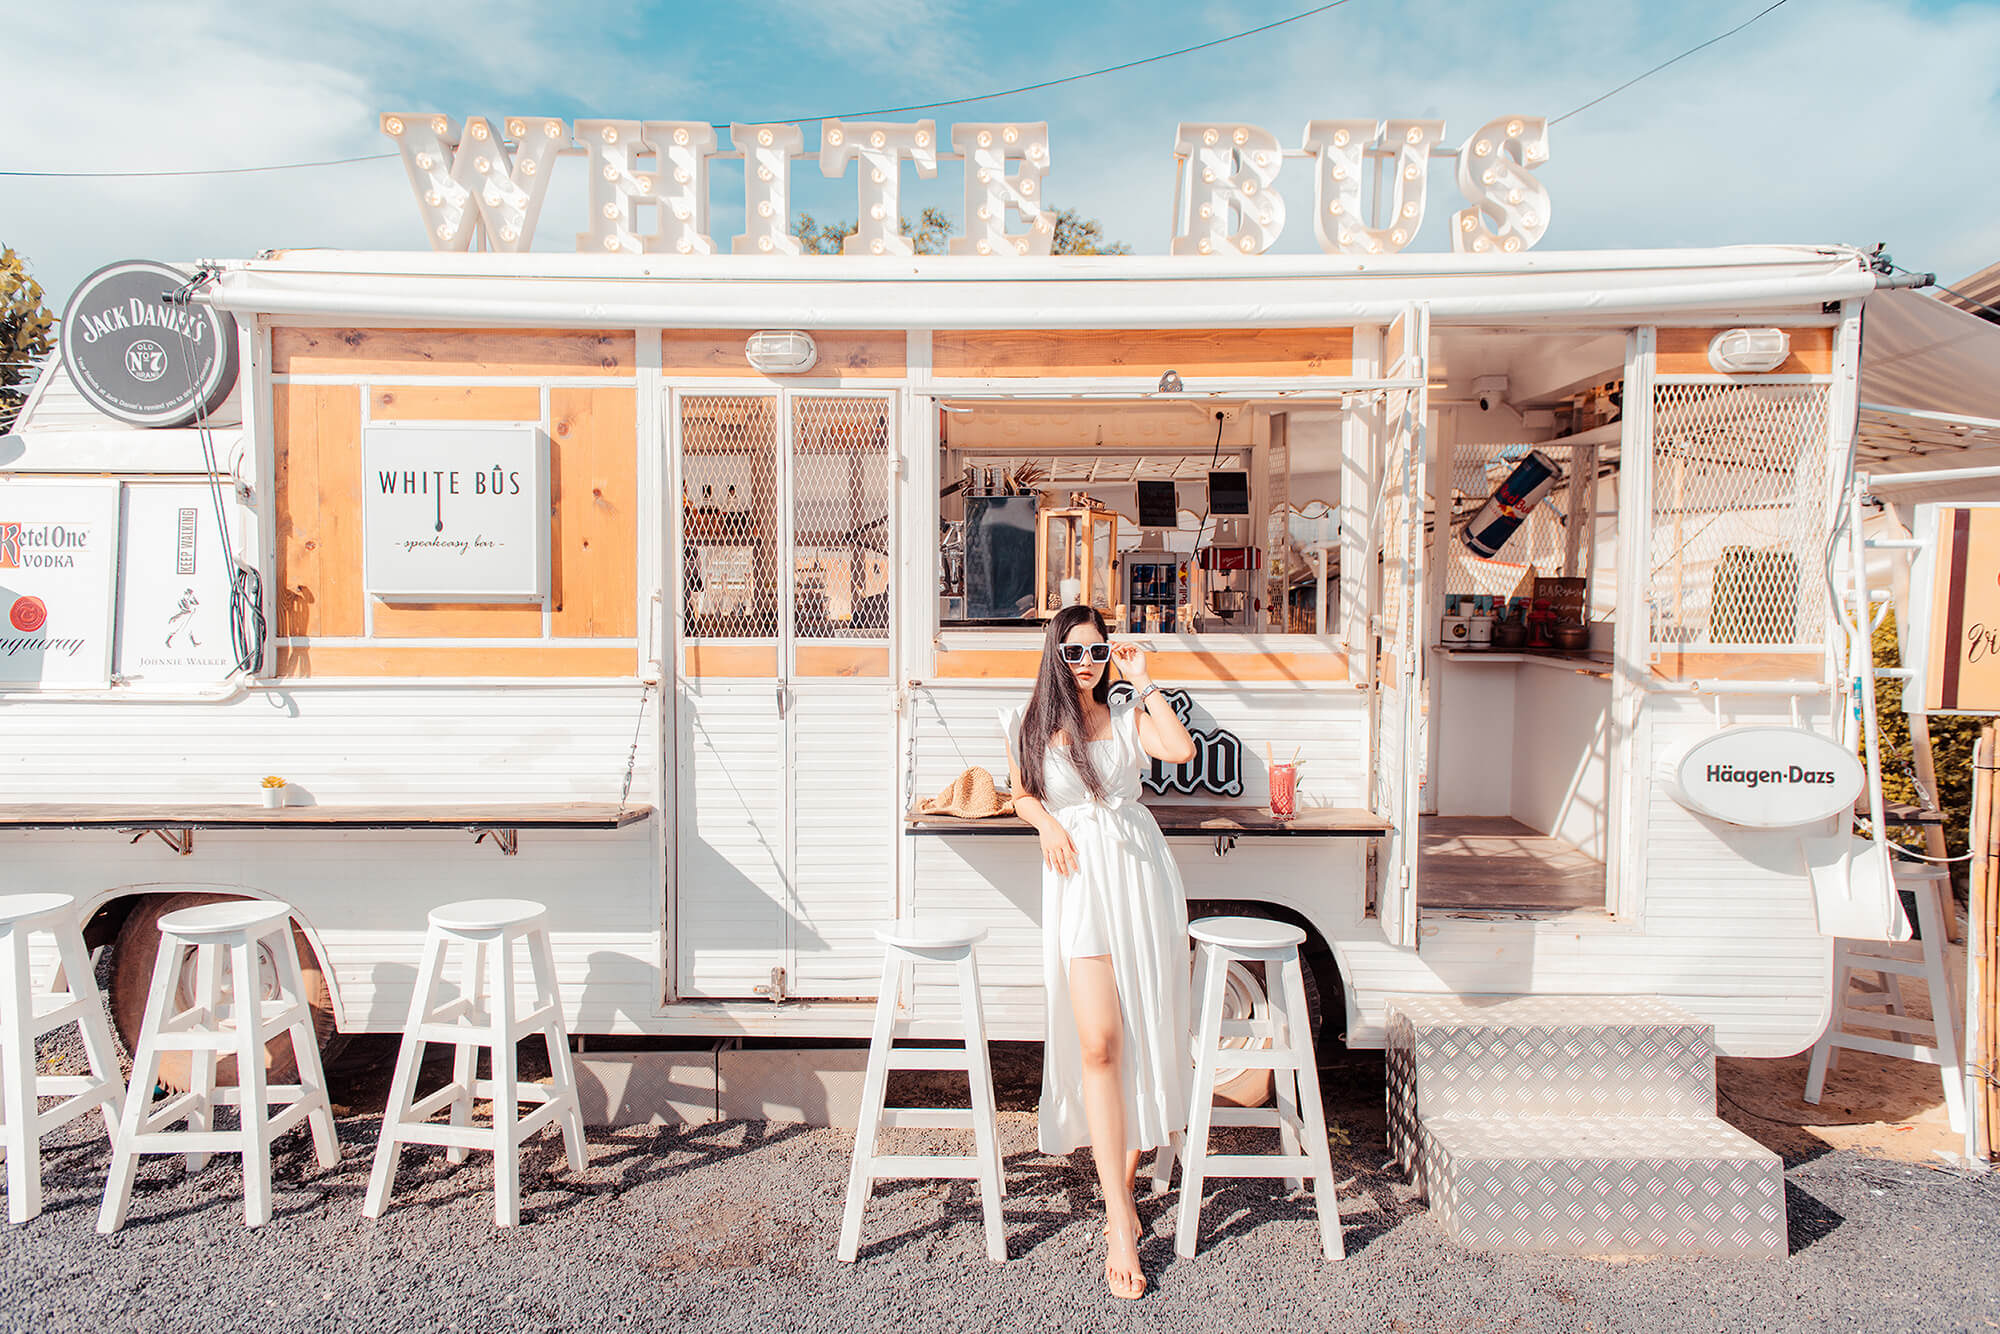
139	359
1766	777
1217	765
455	513
173	588
57	544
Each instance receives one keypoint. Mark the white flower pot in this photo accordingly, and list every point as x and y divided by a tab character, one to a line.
274	797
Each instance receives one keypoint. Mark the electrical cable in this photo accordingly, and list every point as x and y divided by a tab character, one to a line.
1663	64
1950	291
723	125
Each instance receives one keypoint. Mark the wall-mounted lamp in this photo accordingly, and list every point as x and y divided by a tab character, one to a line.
1737	351
781	351
1170	382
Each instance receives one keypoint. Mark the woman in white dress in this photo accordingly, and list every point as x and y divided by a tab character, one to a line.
1115	1071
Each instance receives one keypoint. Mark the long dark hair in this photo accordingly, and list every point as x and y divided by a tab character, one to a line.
1055	706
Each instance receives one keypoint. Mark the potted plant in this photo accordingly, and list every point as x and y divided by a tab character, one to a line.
274	791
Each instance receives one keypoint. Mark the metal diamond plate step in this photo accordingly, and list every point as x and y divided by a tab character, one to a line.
1645	1185
1543	1056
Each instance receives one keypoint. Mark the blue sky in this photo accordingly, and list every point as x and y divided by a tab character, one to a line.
1828	120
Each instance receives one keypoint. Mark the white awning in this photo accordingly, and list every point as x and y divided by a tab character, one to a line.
1930	395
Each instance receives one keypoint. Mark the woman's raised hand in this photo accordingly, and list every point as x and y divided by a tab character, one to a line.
1058	853
1131	660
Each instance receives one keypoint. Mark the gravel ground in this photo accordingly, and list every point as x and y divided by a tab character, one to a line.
732	1225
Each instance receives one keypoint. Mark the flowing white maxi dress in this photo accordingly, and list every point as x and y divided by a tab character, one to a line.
1125	900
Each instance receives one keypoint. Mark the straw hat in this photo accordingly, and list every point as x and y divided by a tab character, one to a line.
971	796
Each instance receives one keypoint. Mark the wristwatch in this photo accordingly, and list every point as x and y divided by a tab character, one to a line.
1150	690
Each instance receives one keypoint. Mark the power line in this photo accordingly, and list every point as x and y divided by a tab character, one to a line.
1663	64
845	115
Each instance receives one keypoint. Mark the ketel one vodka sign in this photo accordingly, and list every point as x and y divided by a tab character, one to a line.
455	513
144	359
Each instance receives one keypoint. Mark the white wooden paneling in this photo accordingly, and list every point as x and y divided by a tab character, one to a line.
418	744
844	823
955	727
729	837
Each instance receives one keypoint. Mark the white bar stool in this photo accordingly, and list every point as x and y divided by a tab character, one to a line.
906	944
487	1014
1934	1041
1298	1116
242	1025
25	1015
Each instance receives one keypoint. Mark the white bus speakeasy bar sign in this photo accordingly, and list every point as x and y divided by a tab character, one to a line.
455	514
475	186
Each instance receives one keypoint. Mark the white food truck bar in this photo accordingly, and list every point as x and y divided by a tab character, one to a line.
664	587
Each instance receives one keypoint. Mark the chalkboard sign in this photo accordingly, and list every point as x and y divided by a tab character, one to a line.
1564	596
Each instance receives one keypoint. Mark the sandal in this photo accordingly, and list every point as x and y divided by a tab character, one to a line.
1131	1294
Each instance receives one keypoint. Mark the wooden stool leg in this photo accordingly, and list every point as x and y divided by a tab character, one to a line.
542	963
255	1108
202	1061
96	1030
1944	1023
1314	1129
1823	1052
18	1104
139	1094
874	1089
305	1050
465	1055
506	1101
389	1147
985	1124
1201	1103
1286	1029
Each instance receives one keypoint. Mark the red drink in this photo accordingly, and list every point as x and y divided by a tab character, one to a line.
1284	791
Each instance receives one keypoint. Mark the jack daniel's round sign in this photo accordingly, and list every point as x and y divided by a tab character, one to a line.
138	357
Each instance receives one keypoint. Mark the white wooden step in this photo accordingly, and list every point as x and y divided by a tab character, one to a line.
1543	1056
1641	1185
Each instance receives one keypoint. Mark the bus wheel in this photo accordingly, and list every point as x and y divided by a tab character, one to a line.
137	949
1242	994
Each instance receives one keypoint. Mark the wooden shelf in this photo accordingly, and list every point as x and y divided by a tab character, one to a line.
1207	821
175	825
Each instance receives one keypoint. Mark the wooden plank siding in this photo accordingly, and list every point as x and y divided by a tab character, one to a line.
593	492
1685	352
844	354
454	352
990	354
1169	666
317	435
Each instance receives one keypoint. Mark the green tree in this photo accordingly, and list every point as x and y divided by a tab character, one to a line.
930	235
1075	234
1078	235
1951	753
27	332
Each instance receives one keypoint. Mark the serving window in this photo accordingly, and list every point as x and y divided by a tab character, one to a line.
1197	517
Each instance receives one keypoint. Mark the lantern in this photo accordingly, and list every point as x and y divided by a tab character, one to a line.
1079	544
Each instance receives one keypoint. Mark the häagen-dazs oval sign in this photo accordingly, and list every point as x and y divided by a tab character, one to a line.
138	357
1766	777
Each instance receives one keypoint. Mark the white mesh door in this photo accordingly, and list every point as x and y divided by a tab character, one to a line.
841	742
1396	789
732	895
1739	518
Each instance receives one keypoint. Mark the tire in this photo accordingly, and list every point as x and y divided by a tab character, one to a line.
134	955
1243	989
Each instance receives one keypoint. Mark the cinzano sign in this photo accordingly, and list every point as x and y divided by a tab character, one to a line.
482	184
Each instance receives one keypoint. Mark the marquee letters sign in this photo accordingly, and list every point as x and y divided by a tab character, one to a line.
477	187
1217	765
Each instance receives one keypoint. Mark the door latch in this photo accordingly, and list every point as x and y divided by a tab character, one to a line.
776	991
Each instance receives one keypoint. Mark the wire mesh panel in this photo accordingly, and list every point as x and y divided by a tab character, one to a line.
729	511
1543	544
1739	516
841	469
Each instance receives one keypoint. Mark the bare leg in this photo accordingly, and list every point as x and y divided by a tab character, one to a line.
1093	994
